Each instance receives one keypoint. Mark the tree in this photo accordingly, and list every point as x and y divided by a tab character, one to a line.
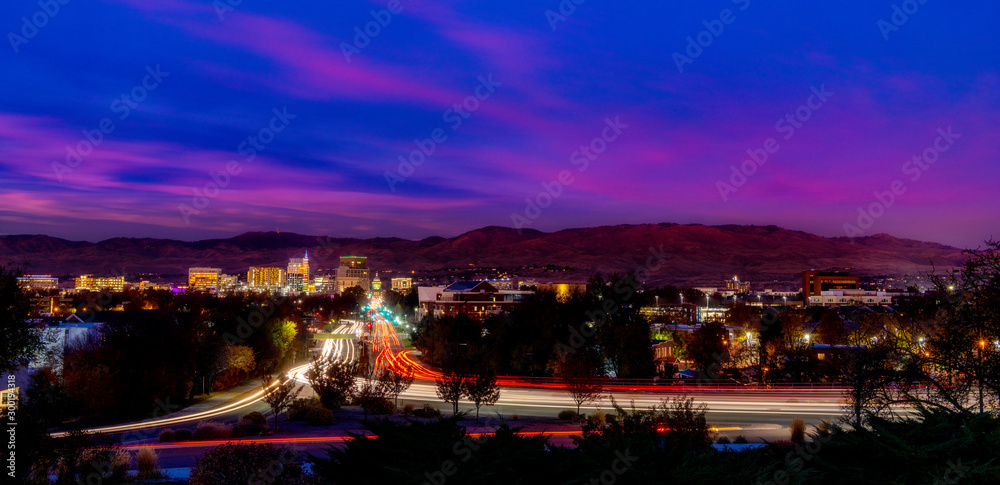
370	394
332	381
708	347
450	388
20	342
581	374
482	388
741	315
279	394
395	383
831	328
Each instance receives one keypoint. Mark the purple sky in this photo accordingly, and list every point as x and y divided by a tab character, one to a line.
225	72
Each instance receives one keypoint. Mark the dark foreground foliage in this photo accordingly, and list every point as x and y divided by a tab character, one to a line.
671	444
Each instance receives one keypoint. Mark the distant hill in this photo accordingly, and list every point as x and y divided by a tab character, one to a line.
698	254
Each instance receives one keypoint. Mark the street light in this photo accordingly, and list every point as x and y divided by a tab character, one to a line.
982	346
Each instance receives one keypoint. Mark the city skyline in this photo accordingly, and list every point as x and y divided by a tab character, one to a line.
672	98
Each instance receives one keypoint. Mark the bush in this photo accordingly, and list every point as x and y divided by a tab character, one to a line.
254	417
427	412
722	441
148	464
514	417
597	418
567	414
382	406
183	435
740	440
408	409
251	424
299	407
210	430
249	463
798	431
167	435
319	416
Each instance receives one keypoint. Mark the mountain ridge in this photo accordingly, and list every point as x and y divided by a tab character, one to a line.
698	254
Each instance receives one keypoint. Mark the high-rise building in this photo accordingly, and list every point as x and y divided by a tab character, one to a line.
36	282
298	273
90	283
736	286
204	279
266	278
353	271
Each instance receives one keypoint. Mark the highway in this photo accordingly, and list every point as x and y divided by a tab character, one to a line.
726	406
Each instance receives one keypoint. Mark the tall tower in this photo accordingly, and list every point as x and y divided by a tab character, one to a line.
305	267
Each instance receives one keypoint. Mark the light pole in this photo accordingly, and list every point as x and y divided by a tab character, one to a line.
979	374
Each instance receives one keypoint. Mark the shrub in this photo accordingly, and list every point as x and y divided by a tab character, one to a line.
167	435
253	424
210	430
381	406
597	418
567	414
101	464
254	417
319	416
408	409
798	431
740	440
249	463
427	412
300	406
722	441
148	464
120	459
514	417
183	435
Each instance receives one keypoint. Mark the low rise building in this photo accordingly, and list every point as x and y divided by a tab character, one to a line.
89	282
401	285
476	299
852	297
37	282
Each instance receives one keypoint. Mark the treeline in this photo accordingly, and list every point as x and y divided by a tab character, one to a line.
190	344
534	336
